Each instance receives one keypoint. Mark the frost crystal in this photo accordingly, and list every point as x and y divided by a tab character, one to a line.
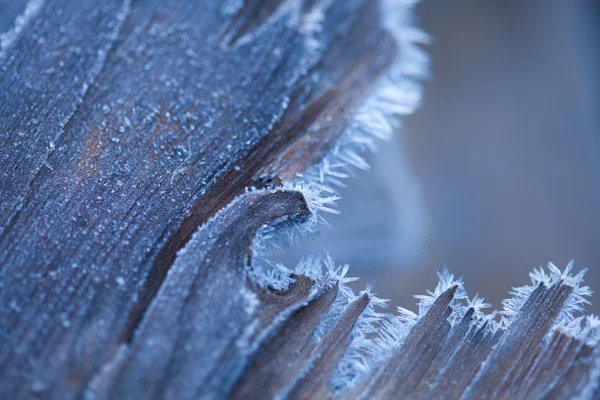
585	328
553	276
269	273
378	337
446	281
396	93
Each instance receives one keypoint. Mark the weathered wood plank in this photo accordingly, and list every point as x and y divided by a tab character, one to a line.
46	73
125	126
129	242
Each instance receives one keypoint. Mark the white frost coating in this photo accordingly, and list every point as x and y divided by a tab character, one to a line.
310	26
375	336
267	273
289	9
574	304
248	348
230	7
324	269
460	303
252	301
344	298
447	280
395	93
585	328
378	336
31	10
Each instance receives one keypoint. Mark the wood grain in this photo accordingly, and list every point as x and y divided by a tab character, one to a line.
129	134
